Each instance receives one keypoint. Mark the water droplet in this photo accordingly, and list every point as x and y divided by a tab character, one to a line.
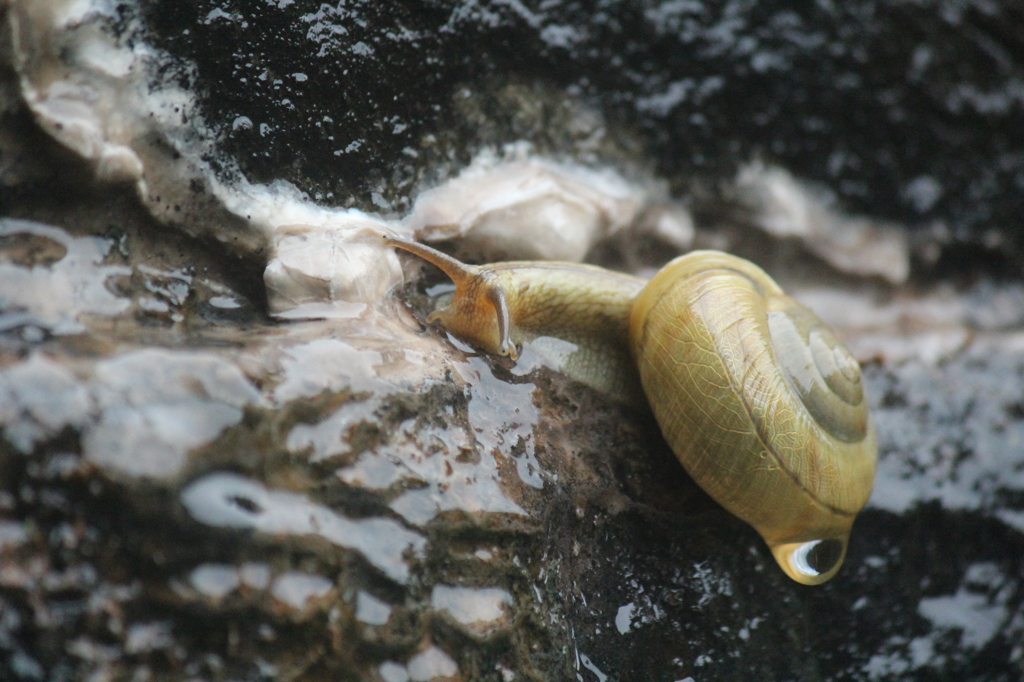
812	562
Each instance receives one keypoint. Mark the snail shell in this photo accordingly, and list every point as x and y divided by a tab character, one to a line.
760	402
758	399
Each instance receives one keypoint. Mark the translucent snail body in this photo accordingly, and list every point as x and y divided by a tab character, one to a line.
760	402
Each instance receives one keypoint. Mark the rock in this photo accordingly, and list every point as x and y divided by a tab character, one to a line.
225	455
529	209
785	208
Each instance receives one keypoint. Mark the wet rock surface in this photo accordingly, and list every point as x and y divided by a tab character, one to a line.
888	103
199	482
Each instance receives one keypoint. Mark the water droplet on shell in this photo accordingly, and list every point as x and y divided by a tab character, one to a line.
812	562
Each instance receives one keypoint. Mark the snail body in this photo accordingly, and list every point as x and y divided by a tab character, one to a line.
759	401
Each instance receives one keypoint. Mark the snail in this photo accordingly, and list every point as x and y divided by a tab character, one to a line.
758	399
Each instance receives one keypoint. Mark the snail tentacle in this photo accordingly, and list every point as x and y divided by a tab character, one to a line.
478	311
500	303
459	272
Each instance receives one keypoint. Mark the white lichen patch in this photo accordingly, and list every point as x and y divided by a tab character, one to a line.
300	591
931	327
950	435
329	270
97	86
321	365
79	81
330	438
977	613
432	469
55	295
528	208
95	83
214	581
786	207
390	671
479	609
145	637
38	398
492	401
445	478
12	535
232	501
371	610
101	92
433	663
140	414
155	406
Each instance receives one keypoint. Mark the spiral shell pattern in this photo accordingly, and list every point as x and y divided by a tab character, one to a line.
760	402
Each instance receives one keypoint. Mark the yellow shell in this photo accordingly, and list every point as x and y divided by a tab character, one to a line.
760	402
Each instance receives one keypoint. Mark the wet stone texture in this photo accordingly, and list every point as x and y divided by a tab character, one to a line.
887	102
233	450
